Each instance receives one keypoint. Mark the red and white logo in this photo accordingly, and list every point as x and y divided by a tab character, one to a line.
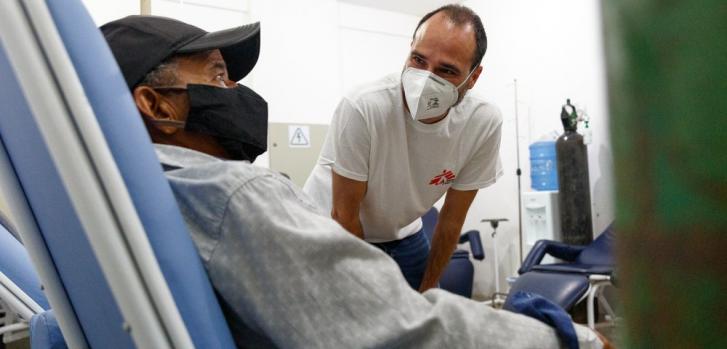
446	177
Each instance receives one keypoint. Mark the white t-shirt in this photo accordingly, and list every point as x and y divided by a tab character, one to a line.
408	164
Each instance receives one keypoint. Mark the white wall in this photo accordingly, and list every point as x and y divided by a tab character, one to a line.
207	14
370	48
103	11
314	50
298	59
210	15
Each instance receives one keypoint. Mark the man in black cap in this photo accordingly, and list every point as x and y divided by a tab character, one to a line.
184	88
285	273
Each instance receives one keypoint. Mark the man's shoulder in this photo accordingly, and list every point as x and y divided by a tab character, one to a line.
479	111
382	90
226	176
377	101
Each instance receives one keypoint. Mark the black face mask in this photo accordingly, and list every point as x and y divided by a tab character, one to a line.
236	117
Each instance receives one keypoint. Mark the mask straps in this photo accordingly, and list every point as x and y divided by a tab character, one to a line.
167	122
170	88
467	78
458	86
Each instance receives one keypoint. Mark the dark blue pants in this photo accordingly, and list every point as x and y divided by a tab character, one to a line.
410	253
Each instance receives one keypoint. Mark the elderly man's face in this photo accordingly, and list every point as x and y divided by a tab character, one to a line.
445	49
205	68
160	103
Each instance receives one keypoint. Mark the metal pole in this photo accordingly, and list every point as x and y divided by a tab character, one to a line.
497	270
145	7
518	173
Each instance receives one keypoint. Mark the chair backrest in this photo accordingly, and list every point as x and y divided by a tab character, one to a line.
94	188
458	275
45	333
600	251
429	221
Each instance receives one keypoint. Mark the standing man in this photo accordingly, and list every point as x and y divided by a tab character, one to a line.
395	146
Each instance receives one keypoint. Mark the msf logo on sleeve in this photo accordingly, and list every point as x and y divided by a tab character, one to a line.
444	178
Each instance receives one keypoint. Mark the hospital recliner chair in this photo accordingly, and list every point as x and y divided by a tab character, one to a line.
87	193
583	273
458	276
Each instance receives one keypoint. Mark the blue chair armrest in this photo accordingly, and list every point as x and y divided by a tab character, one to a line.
574	268
45	332
562	289
554	248
473	236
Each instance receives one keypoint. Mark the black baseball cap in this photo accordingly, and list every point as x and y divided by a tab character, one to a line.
140	43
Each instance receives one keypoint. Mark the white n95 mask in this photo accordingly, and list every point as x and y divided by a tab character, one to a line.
427	94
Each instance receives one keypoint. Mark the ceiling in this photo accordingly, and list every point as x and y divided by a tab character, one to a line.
412	7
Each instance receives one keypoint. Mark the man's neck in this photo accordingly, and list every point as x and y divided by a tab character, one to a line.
435	119
198	142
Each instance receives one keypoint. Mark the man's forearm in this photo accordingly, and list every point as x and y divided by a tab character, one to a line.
347	197
353	225
446	234
443	245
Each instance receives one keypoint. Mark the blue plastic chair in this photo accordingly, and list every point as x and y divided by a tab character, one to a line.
93	207
583	273
458	276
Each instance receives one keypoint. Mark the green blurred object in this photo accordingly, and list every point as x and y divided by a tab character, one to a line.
667	73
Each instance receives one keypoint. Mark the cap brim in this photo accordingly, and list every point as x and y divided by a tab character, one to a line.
240	48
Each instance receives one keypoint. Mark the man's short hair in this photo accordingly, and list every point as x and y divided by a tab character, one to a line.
163	75
461	15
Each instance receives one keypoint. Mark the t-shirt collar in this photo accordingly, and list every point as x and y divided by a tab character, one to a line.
174	157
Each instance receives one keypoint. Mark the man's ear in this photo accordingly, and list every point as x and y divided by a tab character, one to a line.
475	76
154	106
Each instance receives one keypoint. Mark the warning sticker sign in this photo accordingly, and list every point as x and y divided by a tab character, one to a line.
298	136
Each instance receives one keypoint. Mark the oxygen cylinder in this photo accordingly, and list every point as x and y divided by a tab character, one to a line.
574	197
